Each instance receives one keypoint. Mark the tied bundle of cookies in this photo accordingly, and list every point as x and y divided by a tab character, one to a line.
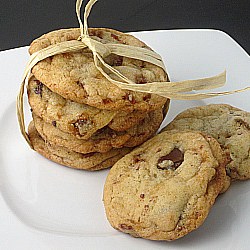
81	119
95	93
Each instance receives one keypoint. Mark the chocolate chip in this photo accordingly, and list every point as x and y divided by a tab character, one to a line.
171	161
141	80
228	171
118	61
125	97
228	157
54	123
125	227
39	88
79	83
81	122
242	123
146	97
179	228
143	65
136	160
142	196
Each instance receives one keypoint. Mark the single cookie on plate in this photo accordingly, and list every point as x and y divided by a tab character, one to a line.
165	188
104	139
74	75
61	155
230	126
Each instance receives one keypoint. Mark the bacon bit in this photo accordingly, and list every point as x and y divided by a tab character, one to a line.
125	227
106	101
131	99
67	55
115	37
97	33
137	159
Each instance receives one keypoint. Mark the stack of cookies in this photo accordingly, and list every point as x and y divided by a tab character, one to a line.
82	120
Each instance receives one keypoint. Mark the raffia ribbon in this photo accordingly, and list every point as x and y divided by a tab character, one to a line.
172	90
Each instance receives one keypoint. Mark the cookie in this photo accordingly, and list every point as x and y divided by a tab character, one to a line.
75	77
79	119
103	140
125	120
230	126
165	188
61	155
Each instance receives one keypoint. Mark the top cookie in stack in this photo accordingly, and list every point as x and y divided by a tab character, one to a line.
77	111
75	77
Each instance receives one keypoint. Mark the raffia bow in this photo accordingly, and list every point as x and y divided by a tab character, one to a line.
172	90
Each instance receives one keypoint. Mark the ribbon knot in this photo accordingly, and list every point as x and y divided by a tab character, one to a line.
95	46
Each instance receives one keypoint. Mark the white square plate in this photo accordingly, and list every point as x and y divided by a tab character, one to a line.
44	205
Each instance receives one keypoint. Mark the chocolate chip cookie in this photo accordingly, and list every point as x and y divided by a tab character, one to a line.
61	155
165	188
79	119
229	126
103	140
125	120
75	77
71	117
